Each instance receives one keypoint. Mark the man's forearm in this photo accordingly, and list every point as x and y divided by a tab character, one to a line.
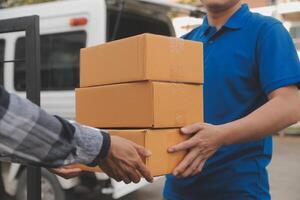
278	113
31	136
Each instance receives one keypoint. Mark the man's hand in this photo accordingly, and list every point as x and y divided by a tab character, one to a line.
66	172
125	161
203	144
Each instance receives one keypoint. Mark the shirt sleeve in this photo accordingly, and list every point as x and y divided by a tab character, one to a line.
277	58
28	135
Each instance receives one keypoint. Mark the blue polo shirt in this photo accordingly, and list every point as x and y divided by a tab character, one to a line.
249	57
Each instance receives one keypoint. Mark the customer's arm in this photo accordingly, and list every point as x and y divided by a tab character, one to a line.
29	135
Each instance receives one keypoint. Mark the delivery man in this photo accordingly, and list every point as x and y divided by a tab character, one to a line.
250	92
30	136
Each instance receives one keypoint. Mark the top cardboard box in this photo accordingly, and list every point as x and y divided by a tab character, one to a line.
142	57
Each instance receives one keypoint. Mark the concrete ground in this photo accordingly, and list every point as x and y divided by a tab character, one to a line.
284	174
285	169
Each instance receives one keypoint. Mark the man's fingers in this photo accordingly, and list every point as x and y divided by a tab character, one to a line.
112	171
200	167
183	146
188	159
122	173
140	175
129	174
70	170
134	176
126	178
191	168
109	173
69	167
126	160
71	173
144	171
65	172
194	128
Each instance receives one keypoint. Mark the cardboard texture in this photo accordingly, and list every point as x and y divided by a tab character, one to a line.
157	141
142	57
140	105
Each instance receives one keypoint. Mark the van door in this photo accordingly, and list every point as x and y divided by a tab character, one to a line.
59	70
65	27
2	48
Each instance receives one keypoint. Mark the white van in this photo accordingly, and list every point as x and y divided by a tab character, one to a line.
67	26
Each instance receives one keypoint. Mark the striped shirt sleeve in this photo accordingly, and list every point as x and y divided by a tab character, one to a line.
28	135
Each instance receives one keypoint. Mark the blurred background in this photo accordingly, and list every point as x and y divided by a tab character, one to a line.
68	25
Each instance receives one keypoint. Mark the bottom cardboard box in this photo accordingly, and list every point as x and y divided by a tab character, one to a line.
157	141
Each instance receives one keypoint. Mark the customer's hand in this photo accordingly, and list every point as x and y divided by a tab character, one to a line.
206	140
66	172
125	161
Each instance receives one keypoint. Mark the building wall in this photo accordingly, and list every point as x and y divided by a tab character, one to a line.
252	3
257	3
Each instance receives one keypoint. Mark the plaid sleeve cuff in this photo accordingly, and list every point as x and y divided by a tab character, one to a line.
105	145
104	149
91	144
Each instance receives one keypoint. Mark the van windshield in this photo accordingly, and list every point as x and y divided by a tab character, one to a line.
129	21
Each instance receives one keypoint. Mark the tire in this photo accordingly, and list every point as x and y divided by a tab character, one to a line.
3	194
51	189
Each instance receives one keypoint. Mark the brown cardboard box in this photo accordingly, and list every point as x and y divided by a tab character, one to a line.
157	141
140	105
142	57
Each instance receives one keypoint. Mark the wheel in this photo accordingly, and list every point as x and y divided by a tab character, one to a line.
51	189
3	194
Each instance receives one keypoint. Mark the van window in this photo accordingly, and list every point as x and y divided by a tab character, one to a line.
2	46
133	24
59	61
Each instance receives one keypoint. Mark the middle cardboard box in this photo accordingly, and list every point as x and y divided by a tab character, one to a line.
143	104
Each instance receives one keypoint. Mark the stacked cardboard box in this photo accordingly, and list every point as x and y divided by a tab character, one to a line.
143	88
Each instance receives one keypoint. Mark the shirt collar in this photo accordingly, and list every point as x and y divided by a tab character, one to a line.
204	27
205	24
236	21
